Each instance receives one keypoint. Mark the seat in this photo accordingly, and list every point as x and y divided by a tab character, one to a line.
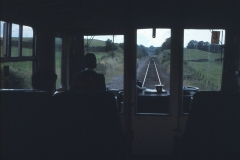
86	125
22	118
213	126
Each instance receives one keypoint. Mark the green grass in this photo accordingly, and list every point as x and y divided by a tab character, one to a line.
206	74
25	52
110	66
23	39
20	74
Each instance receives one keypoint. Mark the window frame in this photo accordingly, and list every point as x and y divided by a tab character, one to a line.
8	44
162	96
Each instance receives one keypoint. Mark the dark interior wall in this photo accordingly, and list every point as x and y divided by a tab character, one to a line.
231	63
115	14
45	43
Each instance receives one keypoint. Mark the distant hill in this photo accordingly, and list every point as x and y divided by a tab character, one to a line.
24	39
95	42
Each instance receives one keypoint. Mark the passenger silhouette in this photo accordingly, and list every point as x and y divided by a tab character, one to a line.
88	79
44	79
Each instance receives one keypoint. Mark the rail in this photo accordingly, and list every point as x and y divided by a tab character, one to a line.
151	77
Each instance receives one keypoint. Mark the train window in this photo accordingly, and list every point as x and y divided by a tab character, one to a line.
27	41
15	40
109	50
19	76
153	71
3	38
202	62
58	61
16	56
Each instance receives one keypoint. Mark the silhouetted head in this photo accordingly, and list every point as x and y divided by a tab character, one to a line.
44	79
90	61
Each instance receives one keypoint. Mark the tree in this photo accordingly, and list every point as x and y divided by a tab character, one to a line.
110	46
192	44
141	51
200	45
121	45
166	44
206	46
157	50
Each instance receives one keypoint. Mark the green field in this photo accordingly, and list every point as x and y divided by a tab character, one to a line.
20	74
202	69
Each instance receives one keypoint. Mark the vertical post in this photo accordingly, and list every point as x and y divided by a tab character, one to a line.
113	47
5	39
130	76
176	88
129	84
20	40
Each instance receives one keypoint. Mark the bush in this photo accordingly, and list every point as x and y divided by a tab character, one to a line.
16	80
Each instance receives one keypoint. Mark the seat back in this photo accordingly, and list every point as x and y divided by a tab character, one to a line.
86	125
21	123
213	126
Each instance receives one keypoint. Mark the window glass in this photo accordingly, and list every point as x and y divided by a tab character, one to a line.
203	60
15	40
58	61
27	41
153	68
109	51
3	37
19	76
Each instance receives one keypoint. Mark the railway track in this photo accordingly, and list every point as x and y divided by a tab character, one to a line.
151	77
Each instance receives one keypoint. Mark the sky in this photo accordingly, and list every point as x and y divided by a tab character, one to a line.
27	31
144	36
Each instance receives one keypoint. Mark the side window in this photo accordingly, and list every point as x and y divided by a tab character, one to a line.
203	60
3	38
153	71
27	41
15	40
17	58
58	61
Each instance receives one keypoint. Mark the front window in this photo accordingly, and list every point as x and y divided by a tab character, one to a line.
153	71
109	51
202	62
